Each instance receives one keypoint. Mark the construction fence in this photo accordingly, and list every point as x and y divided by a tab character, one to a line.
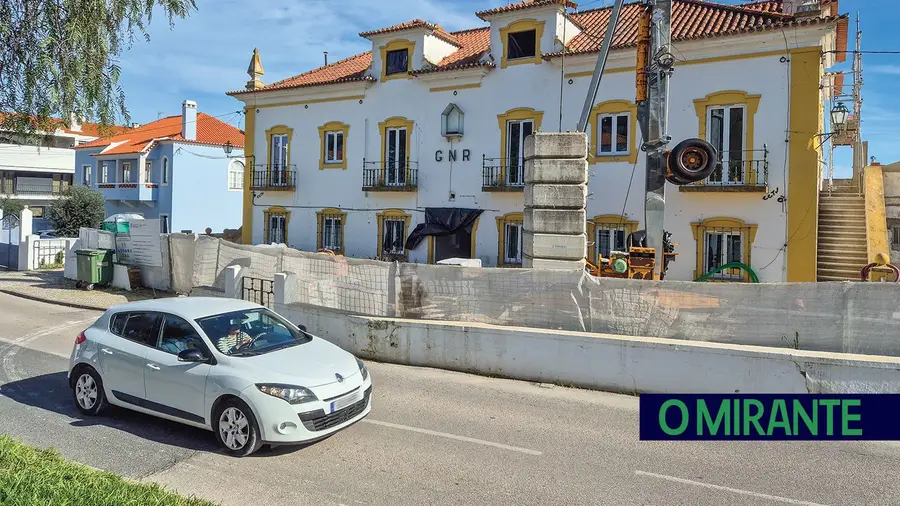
838	316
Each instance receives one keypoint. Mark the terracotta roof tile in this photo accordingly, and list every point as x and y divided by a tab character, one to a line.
210	130
691	20
527	4
87	129
437	29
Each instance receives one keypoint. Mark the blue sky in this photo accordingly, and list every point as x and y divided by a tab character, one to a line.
207	54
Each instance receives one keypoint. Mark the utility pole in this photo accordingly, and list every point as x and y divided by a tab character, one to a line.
653	114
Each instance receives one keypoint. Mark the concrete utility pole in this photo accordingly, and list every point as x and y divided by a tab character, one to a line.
653	113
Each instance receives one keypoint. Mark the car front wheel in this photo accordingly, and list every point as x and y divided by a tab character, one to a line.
88	390
236	428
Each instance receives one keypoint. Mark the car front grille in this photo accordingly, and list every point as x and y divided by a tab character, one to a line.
318	420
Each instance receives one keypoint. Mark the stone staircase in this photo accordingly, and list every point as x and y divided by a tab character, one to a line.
842	233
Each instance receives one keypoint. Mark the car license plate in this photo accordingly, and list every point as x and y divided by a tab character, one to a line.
347	400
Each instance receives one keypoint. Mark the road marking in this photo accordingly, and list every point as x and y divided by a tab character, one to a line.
10	349
453	436
728	489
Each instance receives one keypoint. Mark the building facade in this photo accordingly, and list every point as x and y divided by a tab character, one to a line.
176	169
36	168
427	130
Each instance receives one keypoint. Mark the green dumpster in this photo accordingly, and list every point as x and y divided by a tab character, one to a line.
93	267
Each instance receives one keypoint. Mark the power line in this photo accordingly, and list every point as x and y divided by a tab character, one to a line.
863	52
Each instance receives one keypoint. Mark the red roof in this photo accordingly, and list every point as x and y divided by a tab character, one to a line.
436	29
526	4
87	129
691	20
210	131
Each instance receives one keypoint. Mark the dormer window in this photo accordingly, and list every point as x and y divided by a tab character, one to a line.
397	62
522	44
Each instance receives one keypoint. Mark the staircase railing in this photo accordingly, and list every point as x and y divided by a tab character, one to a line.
877	243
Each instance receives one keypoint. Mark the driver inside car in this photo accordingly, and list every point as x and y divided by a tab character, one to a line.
235	339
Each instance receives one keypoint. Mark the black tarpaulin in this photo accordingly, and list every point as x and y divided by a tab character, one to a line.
442	221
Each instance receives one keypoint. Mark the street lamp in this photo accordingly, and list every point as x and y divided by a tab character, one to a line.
228	147
839	115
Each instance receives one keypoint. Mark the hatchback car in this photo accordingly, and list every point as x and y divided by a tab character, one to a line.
225	365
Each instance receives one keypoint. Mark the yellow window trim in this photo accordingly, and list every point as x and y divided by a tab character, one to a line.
249	143
519	113
396	45
472	248
699	229
333	126
277	130
613	107
392	214
731	97
277	210
522	25
610	220
394	122
502	221
330	211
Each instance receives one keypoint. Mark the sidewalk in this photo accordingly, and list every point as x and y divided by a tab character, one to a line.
50	286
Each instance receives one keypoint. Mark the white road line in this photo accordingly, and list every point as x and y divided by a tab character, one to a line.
728	489
453	436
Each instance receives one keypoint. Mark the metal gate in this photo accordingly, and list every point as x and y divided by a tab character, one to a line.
9	242
258	290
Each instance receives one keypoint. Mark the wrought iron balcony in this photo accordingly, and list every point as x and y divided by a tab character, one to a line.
275	177
738	171
390	176
499	176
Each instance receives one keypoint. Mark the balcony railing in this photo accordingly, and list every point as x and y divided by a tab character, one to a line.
274	177
738	171
497	175
32	189
398	176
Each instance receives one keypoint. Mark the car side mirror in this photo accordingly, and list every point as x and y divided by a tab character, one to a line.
192	355
302	327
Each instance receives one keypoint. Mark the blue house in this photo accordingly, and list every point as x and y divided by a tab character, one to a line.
187	171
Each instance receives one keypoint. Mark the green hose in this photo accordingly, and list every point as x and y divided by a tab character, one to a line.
731	265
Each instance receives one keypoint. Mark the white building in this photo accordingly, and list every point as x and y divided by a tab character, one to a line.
354	155
36	168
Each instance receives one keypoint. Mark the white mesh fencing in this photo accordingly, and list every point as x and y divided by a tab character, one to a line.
839	317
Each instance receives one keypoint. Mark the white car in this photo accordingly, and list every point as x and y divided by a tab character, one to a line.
226	365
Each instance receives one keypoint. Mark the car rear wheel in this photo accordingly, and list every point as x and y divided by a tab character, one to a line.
88	391
236	428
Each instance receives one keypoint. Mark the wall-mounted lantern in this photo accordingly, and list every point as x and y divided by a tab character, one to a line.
228	148
452	121
839	114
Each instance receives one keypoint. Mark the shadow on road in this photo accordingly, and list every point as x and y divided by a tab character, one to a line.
51	392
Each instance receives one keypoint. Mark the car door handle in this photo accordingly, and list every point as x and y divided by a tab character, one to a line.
153	366
106	350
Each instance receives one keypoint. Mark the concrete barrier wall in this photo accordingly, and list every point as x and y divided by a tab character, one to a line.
598	361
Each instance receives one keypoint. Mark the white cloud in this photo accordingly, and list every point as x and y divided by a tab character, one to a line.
885	69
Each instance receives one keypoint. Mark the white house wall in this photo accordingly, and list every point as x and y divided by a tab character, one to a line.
538	87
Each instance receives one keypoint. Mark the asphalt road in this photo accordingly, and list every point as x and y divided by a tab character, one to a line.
433	437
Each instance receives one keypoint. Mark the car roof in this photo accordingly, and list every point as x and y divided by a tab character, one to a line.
188	307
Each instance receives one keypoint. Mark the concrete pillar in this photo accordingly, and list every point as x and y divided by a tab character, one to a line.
285	288
26	249
556	173
233	282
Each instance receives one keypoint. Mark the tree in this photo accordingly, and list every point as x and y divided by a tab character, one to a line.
60	57
78	206
11	206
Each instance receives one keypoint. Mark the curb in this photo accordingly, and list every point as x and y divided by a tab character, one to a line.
53	301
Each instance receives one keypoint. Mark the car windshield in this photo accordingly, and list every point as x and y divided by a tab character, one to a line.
251	332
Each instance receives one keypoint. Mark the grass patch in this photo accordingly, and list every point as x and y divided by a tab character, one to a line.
31	476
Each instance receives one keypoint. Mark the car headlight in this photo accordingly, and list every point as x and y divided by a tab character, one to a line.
290	393
362	369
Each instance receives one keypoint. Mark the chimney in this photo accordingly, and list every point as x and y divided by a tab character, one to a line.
189	120
135	125
326	58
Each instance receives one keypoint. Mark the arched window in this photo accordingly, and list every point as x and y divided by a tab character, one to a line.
236	175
